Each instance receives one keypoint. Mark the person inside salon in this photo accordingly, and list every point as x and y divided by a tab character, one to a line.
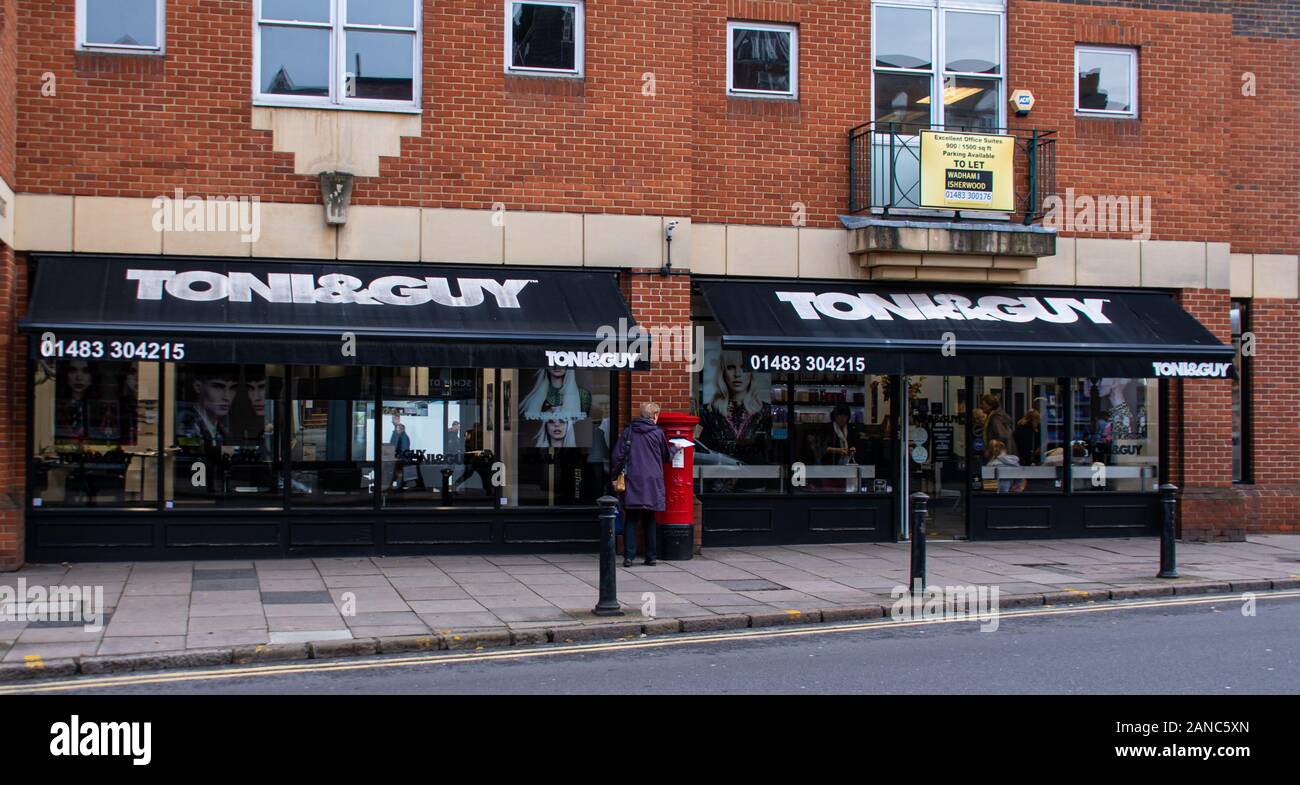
841	438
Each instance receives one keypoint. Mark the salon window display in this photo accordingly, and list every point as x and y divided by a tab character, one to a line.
224	448
1018	435
1116	435
742	433
563	437
95	434
434	446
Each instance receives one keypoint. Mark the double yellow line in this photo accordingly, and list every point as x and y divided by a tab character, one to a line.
630	644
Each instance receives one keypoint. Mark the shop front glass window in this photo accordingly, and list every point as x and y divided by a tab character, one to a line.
1117	433
561	434
222	435
842	432
741	444
1018	435
95	433
332	436
435	448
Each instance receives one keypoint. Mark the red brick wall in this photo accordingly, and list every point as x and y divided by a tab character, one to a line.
1173	151
13	411
661	301
8	88
1200	438
757	157
131	126
135	126
1265	195
1275	401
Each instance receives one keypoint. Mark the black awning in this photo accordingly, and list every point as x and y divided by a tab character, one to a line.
255	311
954	330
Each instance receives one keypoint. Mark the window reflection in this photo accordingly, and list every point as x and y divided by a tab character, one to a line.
544	36
380	66
435	447
125	23
295	61
761	60
330	436
903	38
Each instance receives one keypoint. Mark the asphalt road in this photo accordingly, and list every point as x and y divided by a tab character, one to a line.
1207	648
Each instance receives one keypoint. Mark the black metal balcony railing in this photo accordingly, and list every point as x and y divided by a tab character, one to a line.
885	166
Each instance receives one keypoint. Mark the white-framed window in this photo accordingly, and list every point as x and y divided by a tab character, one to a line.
337	54
954	49
762	60
544	37
127	26
1107	81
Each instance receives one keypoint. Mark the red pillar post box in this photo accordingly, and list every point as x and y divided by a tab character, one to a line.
677	521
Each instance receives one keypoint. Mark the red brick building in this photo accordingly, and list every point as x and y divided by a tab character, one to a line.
576	148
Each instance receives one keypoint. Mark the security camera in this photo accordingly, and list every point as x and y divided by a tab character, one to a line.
672	227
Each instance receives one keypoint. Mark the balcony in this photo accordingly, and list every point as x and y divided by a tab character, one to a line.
898	234
885	169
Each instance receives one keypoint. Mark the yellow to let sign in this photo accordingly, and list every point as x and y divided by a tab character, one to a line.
964	171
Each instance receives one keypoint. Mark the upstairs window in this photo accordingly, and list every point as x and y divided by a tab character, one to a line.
762	60
1107	81
544	38
358	54
948	48
121	25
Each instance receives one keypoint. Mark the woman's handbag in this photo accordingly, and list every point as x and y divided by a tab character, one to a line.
620	482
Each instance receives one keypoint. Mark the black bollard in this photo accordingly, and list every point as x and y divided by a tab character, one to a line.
1169	506
608	604
920	501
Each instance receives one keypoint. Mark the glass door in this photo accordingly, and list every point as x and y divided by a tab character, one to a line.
936	451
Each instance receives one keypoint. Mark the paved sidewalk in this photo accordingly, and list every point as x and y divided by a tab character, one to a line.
179	606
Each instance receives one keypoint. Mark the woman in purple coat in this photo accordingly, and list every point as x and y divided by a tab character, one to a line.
642	451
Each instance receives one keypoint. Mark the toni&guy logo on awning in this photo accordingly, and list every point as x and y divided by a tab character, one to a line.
1192	370
592	359
335	288
924	307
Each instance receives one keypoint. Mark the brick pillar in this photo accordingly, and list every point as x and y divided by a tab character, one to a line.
1274	381
1200	443
13	412
662	304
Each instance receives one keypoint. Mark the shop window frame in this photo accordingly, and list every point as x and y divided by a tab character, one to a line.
30	458
286	502
160	23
